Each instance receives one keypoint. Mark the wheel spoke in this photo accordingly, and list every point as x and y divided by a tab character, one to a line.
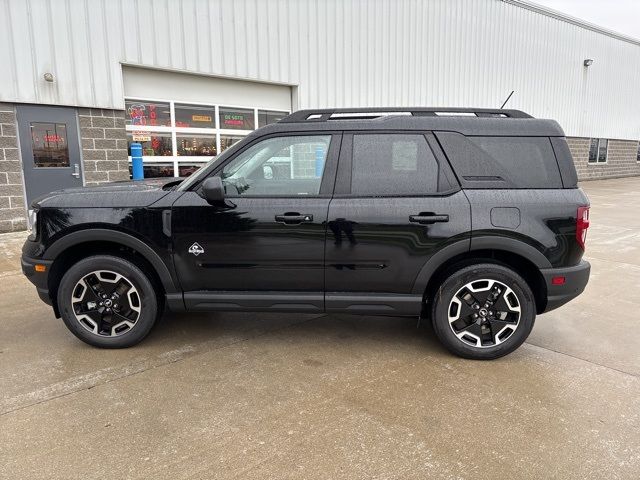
486	313
102	303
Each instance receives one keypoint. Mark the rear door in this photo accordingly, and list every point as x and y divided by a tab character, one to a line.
396	204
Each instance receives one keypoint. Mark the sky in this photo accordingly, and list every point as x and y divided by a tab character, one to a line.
621	16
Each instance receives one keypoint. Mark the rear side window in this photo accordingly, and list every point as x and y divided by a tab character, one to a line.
502	162
393	164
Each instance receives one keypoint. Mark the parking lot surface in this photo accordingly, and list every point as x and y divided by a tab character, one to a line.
256	396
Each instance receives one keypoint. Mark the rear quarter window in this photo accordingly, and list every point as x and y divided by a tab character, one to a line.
502	162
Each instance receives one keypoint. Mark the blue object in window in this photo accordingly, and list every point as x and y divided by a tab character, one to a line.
137	171
319	161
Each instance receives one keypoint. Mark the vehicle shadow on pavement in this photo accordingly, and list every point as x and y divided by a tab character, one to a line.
349	330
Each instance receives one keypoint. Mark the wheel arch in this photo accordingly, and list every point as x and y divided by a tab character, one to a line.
524	260
81	244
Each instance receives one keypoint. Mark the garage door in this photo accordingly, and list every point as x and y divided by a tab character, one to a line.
184	120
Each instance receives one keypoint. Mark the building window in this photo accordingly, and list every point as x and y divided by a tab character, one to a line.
598	150
638	153
193	116
196	145
147	114
178	138
265	117
237	119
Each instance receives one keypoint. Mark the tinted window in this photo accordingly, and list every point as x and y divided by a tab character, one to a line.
502	162
393	164
278	166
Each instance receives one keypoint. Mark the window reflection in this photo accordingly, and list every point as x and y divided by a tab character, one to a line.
196	145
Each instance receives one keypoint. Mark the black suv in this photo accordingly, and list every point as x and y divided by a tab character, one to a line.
469	217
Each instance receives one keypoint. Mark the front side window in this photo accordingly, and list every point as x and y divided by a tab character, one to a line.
393	164
278	166
598	150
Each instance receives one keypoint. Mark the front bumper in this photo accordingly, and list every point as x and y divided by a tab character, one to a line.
39	279
575	281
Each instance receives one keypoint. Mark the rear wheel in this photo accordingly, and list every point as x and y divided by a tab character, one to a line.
108	302
483	311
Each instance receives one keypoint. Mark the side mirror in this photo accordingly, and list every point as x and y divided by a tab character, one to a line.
213	191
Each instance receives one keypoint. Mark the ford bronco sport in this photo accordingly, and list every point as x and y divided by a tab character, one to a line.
471	218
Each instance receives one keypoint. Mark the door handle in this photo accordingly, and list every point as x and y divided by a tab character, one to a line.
293	218
76	170
426	218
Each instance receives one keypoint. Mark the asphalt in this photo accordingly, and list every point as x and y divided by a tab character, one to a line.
258	396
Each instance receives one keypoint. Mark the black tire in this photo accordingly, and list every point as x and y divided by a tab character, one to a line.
456	283
145	299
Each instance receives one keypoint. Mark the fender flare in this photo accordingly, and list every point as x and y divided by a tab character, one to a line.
103	234
504	244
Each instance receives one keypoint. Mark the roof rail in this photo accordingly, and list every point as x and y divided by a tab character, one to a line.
323	115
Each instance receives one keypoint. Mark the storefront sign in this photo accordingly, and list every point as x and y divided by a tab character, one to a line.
53	138
230	120
201	118
141	137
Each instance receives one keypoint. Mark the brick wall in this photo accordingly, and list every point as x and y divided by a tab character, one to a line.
621	159
104	145
12	209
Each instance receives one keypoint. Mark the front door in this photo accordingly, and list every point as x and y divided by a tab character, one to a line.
50	149
266	248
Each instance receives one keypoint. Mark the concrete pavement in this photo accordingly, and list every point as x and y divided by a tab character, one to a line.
332	396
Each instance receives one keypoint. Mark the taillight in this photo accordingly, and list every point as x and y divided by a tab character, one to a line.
582	224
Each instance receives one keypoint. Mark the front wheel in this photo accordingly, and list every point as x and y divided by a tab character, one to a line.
483	311
107	302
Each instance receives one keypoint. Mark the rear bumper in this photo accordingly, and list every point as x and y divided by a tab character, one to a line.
39	279
576	279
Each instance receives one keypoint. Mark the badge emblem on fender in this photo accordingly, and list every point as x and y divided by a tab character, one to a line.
196	249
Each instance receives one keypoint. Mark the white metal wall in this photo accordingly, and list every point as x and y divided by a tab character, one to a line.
338	53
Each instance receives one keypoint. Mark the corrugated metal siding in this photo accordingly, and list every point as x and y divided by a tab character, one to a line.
338	52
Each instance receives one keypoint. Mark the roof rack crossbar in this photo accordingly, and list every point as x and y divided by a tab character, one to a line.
323	115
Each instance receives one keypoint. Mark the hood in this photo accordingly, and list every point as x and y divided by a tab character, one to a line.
140	193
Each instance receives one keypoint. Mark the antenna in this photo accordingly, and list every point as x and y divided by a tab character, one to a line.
505	102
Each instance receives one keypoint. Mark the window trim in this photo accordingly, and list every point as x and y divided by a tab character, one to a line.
345	166
327	183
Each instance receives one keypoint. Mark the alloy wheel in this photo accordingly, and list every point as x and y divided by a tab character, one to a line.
106	303
484	313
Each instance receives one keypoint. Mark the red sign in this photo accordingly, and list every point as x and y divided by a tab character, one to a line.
53	138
